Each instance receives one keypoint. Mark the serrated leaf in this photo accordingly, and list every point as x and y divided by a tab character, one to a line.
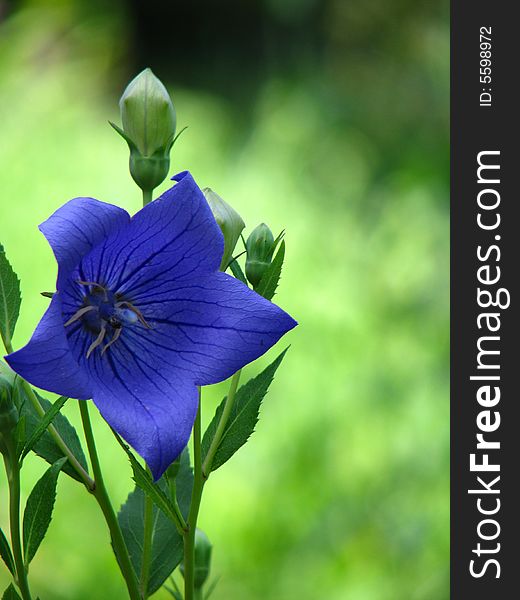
10	593
44	423
38	510
167	543
46	447
271	277
10	298
243	416
5	553
236	269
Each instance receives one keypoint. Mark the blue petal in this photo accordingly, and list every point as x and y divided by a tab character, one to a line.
47	362
150	408
174	237
208	327
75	228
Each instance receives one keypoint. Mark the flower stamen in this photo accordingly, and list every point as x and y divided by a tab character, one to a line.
95	285
98	341
136	312
77	316
114	339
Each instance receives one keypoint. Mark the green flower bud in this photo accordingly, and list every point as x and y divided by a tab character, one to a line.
229	221
260	247
8	410
149	123
203	549
147	113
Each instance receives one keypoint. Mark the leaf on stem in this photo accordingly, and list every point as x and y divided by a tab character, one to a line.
38	510
153	490
167	543
45	446
10	297
5	553
236	269
243	416
211	588
173	591
44	423
10	593
270	279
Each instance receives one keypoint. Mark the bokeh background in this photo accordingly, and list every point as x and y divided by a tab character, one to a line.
328	118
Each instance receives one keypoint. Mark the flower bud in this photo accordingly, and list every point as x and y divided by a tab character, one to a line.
149	123
260	247
229	221
203	549
147	113
8	410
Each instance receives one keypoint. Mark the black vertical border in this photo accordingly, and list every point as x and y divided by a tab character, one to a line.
474	129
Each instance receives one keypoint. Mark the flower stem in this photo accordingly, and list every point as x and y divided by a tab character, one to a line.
206	469
147	197
147	544
101	495
196	497
13	477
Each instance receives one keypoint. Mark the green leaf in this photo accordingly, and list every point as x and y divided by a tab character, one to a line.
11	594
237	271
271	277
19	435
174	592
5	552
38	510
45	446
243	416
145	482
44	423
167	543
211	588
10	297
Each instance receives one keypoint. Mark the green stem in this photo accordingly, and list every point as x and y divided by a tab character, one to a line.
206	469
196	497
87	480
147	197
13	476
101	495
147	544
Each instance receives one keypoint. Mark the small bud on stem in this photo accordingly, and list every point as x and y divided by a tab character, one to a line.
260	248
149	122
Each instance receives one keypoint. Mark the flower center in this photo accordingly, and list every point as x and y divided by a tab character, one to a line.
104	313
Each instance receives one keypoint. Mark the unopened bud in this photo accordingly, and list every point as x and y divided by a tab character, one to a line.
149	123
147	113
260	247
229	221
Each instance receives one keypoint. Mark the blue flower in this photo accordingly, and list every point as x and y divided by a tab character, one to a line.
142	316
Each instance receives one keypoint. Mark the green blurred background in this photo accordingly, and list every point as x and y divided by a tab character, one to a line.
328	118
